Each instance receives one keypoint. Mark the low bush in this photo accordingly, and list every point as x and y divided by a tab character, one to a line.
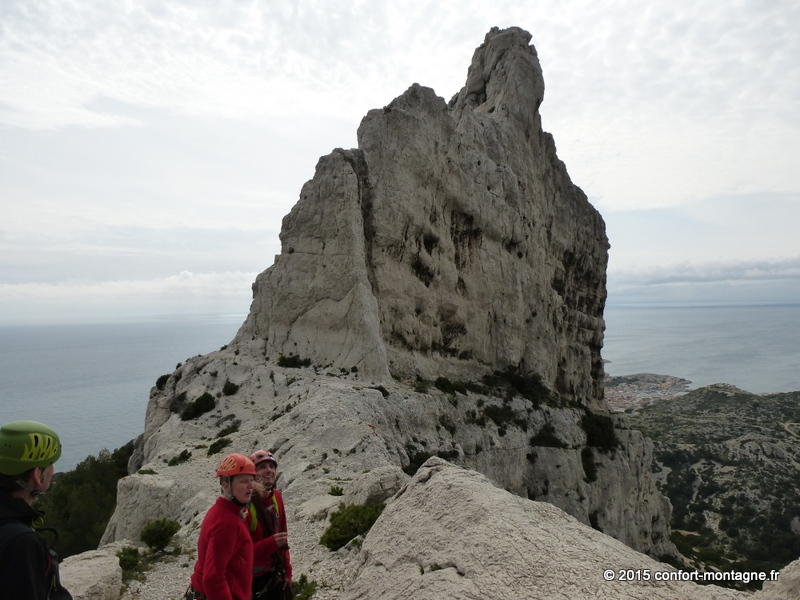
415	460
181	458
599	431
217	446
159	533
232	428
529	385
450	387
230	388
200	406
161	382
349	522
303	589
547	437
501	415
293	361
129	559
178	403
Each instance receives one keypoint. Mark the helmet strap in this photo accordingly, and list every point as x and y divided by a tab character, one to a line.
32	489
229	492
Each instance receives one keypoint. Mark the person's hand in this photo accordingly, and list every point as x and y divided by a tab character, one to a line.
281	539
287	583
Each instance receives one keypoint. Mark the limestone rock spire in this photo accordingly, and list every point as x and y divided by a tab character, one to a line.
450	242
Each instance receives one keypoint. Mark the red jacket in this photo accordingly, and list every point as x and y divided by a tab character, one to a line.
264	547
224	567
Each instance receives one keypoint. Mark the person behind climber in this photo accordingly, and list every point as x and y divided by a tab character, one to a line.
224	567
272	567
28	566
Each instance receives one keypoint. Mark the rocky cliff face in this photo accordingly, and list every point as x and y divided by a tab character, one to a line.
451	242
439	292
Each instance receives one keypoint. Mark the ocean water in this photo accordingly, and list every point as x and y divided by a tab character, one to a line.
92	382
755	348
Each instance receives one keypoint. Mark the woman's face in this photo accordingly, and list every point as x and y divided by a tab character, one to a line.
266	472
241	487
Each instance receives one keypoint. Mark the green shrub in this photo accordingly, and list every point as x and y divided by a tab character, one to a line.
303	589
129	558
181	458
293	361
501	415
230	388
450	387
232	428
336	490
200	406
529	386
178	403
161	382
599	431
218	445
547	437
416	459
159	533
349	522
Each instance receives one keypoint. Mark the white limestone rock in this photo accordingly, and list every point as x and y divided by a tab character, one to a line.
449	533
786	586
450	242
94	575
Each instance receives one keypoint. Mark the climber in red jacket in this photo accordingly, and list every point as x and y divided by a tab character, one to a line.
272	568
224	567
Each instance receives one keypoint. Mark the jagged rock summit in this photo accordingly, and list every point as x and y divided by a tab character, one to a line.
451	242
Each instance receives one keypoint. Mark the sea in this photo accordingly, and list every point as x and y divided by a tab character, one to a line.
91	382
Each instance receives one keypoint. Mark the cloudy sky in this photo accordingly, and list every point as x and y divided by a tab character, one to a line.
149	149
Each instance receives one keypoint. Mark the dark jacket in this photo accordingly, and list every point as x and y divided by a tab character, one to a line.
28	567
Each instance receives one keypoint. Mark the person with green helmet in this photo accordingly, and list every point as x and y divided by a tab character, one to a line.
28	566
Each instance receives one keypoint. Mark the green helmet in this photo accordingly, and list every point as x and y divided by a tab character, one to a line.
25	445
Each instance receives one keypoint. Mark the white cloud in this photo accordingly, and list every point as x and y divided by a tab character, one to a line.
184	294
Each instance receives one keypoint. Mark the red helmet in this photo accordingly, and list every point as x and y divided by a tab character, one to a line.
236	464
261	455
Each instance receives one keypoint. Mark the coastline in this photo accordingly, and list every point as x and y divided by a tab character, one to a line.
629	393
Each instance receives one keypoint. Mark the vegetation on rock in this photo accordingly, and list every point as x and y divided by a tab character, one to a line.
729	461
348	522
158	534
200	406
293	361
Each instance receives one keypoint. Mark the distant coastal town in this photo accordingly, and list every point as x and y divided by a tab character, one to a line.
629	393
